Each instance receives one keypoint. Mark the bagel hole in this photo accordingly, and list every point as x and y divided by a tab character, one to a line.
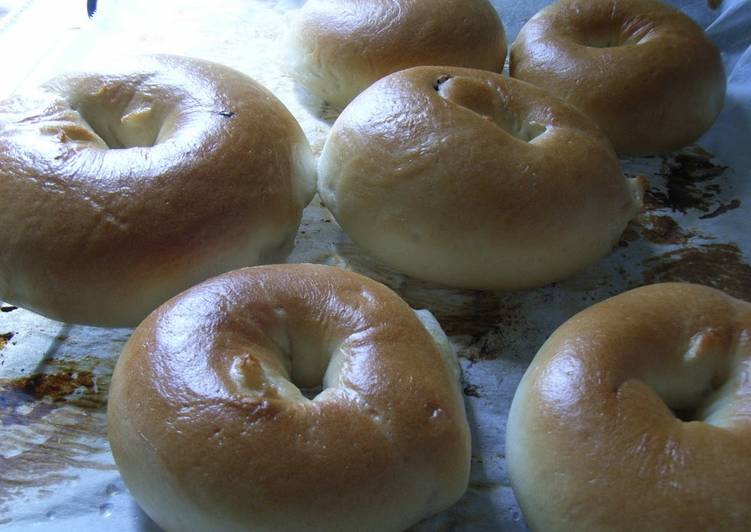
312	371
310	393
693	390
124	118
631	33
691	403
484	100
685	414
701	408
603	41
521	128
256	373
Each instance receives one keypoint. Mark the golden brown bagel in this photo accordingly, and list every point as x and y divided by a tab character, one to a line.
340	47
211	432
470	179
642	70
592	443
121	188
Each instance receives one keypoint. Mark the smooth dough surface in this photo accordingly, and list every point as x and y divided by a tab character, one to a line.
644	71
217	419
340	47
636	415
469	179
122	187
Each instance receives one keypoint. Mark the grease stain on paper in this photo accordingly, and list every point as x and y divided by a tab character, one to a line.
720	266
53	422
690	178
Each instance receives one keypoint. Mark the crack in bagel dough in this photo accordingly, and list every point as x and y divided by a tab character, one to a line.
210	429
644	71
469	179
123	187
337	48
636	415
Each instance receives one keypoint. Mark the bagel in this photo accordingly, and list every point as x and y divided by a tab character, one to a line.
636	415
642	70
118	189
466	178
210	428
340	47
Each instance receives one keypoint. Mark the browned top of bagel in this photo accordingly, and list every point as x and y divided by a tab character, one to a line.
208	428
594	441
340	47
120	188
643	70
471	179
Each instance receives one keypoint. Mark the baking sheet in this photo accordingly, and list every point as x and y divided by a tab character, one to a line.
56	472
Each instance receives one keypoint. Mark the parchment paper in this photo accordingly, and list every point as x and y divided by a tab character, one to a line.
56	472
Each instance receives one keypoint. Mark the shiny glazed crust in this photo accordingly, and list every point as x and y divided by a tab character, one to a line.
340	47
121	188
642	70
592	443
467	178
210	434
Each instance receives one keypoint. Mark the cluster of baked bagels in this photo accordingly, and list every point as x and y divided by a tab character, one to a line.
306	397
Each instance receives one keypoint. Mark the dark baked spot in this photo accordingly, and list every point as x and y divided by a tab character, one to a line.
440	81
484	486
663	230
470	390
55	423
494	341
483	348
473	314
720	266
689	177
5	338
714	4
44	392
630	234
722	209
55	386
470	313
8	308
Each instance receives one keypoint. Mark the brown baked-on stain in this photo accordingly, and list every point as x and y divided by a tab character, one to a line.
470	390
714	4
663	230
5	338
493	343
481	348
722	209
720	266
689	183
468	313
460	312
481	323
53	423
56	386
657	229
630	234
